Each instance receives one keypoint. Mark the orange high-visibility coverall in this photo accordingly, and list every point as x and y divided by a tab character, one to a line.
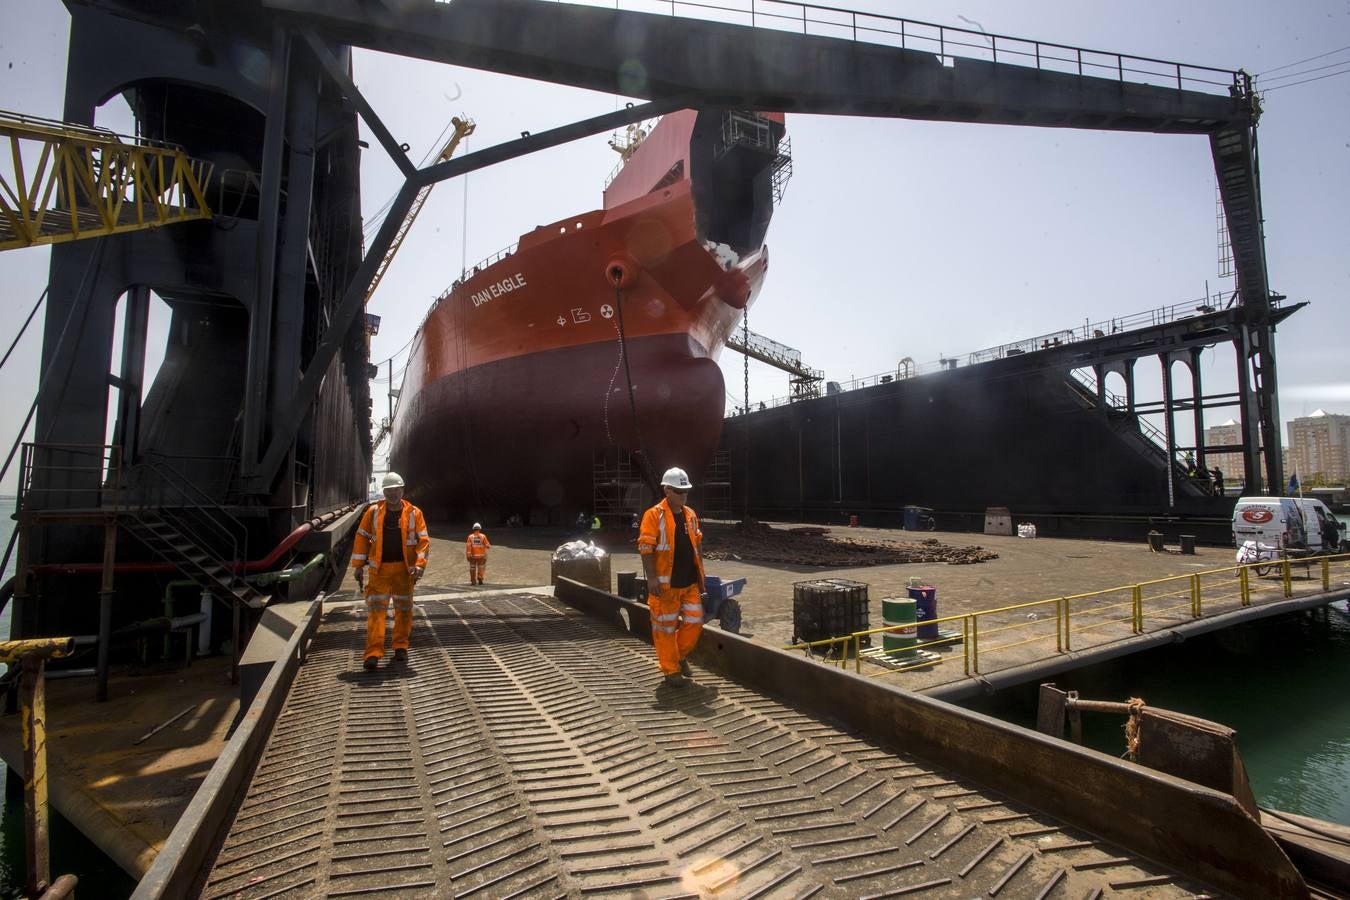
476	547
392	580
677	615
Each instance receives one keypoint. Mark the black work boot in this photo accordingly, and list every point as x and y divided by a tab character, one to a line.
371	663
400	655
675	679
685	670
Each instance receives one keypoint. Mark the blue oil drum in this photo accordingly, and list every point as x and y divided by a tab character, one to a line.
925	610
911	521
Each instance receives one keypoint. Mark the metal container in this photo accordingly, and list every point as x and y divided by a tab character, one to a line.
900	613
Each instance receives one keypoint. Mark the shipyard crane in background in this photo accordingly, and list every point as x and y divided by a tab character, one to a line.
462	128
82	182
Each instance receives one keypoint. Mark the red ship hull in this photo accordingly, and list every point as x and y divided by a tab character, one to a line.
517	377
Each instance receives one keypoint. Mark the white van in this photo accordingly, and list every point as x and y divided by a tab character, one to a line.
1325	532
1270	521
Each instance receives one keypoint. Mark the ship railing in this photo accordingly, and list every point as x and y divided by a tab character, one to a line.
944	42
490	260
1088	331
1013	635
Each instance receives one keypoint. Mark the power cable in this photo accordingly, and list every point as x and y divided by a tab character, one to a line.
1300	73
1305	81
1302	61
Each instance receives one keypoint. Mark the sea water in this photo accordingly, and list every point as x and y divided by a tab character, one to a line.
1279	682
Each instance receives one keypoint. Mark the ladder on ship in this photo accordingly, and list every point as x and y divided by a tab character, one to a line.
64	182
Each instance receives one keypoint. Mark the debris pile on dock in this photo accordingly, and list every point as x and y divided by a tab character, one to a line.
755	541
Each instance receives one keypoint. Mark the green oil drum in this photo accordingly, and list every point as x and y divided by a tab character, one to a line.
901	612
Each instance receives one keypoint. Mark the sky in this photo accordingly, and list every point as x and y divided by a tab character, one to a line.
895	238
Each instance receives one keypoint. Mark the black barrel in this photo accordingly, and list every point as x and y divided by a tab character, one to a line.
1188	544
626	584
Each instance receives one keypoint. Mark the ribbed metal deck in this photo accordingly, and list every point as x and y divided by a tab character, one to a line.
527	750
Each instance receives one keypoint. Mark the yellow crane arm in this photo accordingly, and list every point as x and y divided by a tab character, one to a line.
462	129
64	182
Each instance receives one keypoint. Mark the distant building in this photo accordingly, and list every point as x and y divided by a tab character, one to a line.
1229	433
1319	448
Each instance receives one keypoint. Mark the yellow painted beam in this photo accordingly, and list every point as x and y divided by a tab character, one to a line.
65	182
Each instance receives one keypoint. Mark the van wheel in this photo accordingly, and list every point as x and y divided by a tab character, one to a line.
1262	570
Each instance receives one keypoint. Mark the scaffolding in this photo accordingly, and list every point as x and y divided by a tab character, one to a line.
715	488
617	486
754	132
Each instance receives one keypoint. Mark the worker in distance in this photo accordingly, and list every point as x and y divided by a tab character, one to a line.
392	541
476	547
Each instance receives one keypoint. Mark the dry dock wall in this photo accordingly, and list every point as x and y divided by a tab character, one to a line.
1007	433
1194	829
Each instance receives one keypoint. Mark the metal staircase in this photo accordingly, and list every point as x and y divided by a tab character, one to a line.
154	530
183	525
1135	430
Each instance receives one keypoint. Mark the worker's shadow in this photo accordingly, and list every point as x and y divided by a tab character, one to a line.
694	700
387	672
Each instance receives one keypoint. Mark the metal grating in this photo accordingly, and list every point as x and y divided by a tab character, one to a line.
526	750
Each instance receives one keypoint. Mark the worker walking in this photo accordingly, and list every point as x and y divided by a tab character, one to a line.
669	541
476	547
392	541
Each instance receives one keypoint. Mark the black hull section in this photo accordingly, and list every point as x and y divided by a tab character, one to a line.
997	435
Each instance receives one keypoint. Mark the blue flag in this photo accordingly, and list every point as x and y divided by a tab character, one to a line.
1293	482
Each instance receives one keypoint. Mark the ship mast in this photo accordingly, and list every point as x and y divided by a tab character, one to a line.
634	135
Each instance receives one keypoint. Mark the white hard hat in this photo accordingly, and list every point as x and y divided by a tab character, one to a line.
676	478
477	527
391	480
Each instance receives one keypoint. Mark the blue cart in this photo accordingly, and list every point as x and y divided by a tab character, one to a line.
721	603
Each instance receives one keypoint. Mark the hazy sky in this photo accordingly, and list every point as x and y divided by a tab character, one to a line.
896	238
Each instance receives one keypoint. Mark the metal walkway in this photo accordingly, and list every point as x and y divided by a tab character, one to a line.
527	750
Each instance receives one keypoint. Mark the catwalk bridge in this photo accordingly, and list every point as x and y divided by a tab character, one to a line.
529	749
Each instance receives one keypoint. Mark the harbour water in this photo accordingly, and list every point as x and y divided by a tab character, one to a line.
1279	683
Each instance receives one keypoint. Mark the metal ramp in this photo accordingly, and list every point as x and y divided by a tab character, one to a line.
526	750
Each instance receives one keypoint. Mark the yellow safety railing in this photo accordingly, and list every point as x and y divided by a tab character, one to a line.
64	182
1097	617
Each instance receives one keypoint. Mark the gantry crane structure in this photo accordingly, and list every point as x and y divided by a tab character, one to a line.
64	182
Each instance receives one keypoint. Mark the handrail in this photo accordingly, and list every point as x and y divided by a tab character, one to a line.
948	42
1089	331
1139	600
217	519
